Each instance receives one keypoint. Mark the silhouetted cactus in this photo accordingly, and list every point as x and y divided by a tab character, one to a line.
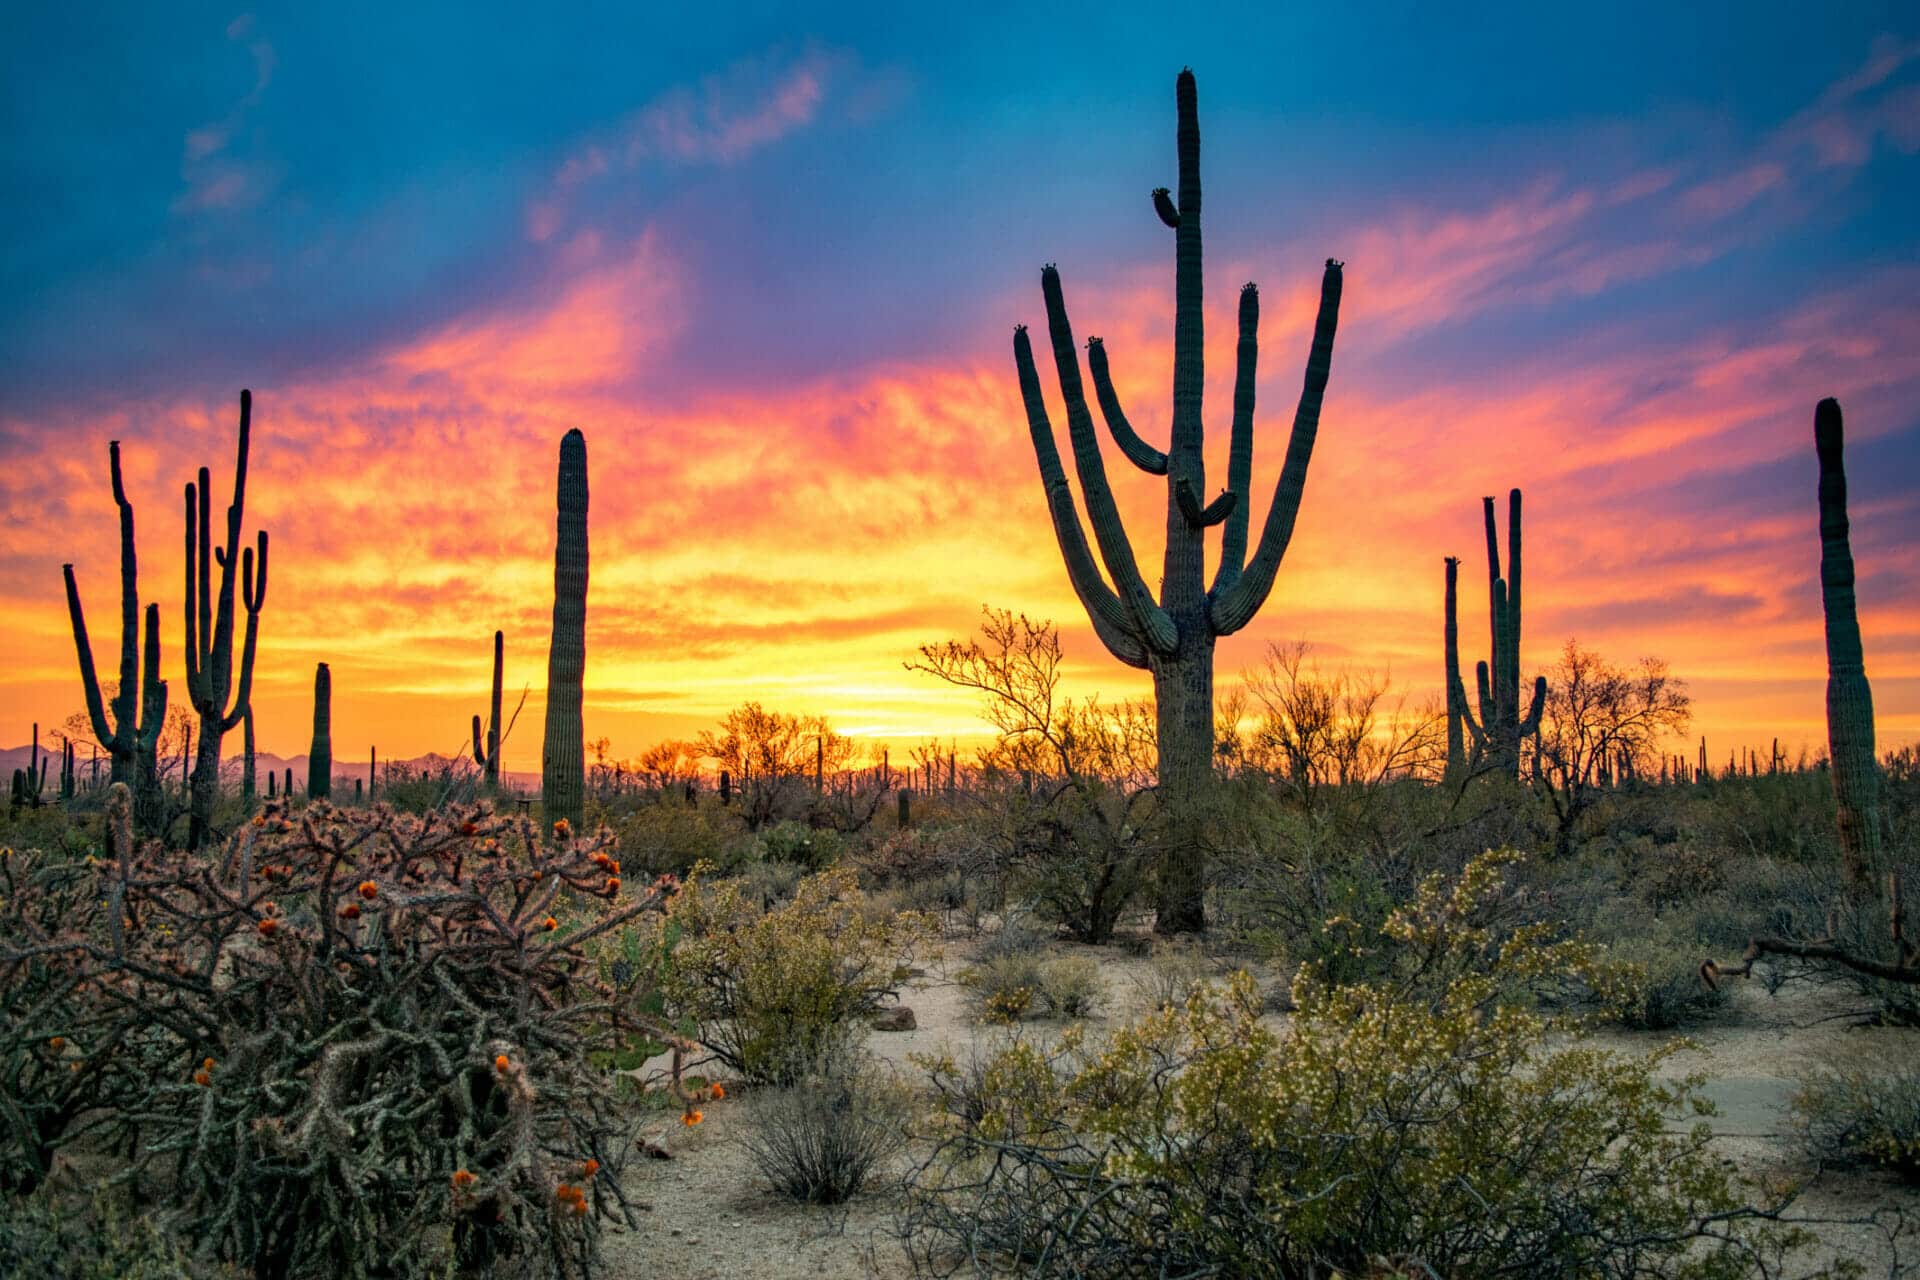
1497	733
29	782
1458	763
247	759
320	755
140	703
1174	637
1856	772
209	642
563	772
67	783
486	753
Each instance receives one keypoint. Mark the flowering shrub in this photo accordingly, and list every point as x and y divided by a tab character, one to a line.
362	1038
1421	1116
772	990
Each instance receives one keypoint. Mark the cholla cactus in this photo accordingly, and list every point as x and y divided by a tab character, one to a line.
342	1034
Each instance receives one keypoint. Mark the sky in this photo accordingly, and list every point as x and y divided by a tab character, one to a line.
770	259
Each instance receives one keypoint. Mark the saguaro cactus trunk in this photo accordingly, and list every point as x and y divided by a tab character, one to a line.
132	735
1174	637
247	778
1458	764
210	633
486	753
1856	772
563	773
320	754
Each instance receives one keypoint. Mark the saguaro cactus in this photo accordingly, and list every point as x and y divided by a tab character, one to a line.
28	782
1856	773
247	759
320	754
139	705
210	643
487	754
1458	763
1174	637
563	772
1497	733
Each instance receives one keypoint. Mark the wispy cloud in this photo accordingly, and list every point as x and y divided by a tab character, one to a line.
217	178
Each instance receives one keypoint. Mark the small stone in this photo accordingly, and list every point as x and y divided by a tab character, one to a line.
898	1018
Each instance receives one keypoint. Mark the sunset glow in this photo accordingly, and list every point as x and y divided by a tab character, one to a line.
773	271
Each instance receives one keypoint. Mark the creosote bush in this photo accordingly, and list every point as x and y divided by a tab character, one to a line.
1012	985
772	988
1852	1117
352	1043
1422	1116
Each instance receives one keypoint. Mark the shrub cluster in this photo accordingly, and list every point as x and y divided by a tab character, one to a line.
1422	1116
352	1042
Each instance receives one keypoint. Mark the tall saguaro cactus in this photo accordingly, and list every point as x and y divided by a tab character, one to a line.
563	772
1856	772
1458	763
486	753
320	754
132	736
210	682
1497	733
1174	636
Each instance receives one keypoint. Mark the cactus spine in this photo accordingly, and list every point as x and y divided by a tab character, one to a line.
139	704
563	771
320	755
209	644
1174	637
1856	773
1497	733
487	754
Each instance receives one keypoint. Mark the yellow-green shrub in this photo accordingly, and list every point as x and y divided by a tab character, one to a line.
1420	1115
773	990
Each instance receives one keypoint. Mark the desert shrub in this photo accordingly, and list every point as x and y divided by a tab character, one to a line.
823	1137
1313	904
771	883
1019	984
769	988
801	845
1853	1117
1173	973
1019	934
363	1039
1422	1116
1082	853
43	1238
1664	990
1679	874
667	837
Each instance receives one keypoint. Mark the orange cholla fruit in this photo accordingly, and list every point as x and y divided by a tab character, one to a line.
601	859
590	1168
57	1043
462	1179
203	1078
268	926
613	884
351	911
719	1091
368	889
502	1064
692	1117
567	1193
562	829
469	828
552	923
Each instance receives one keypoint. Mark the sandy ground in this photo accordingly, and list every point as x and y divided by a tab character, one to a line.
711	1216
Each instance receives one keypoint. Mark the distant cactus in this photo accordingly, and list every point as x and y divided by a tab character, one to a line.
320	755
1856	772
30	781
209	642
563	771
67	783
1497	733
1458	762
1174	637
486	753
139	705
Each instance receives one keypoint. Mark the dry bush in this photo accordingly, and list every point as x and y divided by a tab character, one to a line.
822	1138
1850	1117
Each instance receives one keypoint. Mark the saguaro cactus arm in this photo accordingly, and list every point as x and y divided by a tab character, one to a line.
1138	451
89	678
1235	606
1233	540
1197	516
1116	549
1111	621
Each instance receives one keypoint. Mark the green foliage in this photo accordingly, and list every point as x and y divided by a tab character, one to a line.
1424	1115
772	988
1852	1117
1010	985
667	837
801	845
49	1240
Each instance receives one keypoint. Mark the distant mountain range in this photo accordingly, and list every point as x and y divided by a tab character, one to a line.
347	771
